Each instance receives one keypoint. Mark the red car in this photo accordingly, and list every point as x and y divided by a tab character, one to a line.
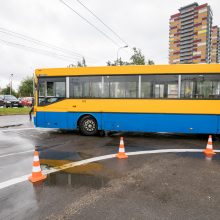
26	101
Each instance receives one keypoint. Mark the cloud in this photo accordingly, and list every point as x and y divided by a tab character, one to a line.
143	24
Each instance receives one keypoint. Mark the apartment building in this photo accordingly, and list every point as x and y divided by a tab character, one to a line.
190	35
215	45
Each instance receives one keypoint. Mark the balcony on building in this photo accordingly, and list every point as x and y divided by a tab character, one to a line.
189	14
186	62
183	39
187	35
187	26
184	59
186	11
185	43
186	46
188	22
187	30
186	54
189	7
189	50
190	18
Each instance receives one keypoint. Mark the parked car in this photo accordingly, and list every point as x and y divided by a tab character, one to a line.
26	101
1	100
11	101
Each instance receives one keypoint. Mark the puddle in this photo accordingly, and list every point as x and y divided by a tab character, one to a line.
76	180
90	175
201	155
61	155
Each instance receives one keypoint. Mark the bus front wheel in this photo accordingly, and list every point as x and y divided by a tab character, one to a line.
88	126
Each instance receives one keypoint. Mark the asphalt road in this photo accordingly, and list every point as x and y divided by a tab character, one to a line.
154	186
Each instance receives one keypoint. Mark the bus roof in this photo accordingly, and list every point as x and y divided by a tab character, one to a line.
137	69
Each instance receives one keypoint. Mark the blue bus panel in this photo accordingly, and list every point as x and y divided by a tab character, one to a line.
178	123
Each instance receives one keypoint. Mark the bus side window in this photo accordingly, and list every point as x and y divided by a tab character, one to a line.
159	86
51	89
159	90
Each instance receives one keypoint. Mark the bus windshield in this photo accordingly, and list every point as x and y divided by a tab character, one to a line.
51	90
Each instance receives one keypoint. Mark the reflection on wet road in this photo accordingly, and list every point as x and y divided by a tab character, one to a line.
159	186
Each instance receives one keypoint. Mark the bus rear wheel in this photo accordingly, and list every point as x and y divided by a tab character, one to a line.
88	126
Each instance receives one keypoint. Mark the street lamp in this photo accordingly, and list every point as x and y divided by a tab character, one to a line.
118	52
11	83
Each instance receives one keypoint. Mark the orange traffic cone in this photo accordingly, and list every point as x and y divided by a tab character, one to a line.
36	170
208	157
121	154
209	147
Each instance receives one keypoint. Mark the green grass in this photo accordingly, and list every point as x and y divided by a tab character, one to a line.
14	111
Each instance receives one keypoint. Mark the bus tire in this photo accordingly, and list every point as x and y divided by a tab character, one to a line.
88	126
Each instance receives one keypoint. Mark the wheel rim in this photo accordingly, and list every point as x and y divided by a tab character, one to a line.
89	125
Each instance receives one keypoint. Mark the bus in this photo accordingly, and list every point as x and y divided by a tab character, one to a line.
180	98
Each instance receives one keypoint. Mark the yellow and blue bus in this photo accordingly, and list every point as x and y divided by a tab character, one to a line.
182	98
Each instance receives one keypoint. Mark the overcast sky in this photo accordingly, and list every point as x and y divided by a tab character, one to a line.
141	23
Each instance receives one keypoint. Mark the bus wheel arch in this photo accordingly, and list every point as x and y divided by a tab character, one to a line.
87	125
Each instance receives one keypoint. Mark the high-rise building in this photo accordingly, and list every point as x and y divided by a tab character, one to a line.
190	35
215	45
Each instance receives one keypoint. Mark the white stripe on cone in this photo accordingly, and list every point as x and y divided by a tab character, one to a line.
36	169
209	146
36	158
121	142
121	149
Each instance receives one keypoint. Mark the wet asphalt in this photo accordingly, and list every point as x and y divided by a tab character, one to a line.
161	186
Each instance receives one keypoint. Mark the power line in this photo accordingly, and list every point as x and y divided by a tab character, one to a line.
100	31
36	50
38	42
119	37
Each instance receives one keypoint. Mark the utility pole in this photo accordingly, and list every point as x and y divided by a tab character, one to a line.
11	76
118	52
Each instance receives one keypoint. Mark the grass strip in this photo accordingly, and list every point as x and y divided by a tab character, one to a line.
14	111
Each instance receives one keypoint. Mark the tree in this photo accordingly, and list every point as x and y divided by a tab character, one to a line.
118	62
26	87
6	91
150	62
81	63
136	59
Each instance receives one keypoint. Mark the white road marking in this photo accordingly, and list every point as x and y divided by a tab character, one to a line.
18	129
23	129
13	181
12	154
95	159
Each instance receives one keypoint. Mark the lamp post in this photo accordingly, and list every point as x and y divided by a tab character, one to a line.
118	52
11	83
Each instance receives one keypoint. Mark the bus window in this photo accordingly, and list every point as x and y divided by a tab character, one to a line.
200	86
159	91
122	86
86	87
159	86
51	90
172	91
146	89
187	86
208	87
